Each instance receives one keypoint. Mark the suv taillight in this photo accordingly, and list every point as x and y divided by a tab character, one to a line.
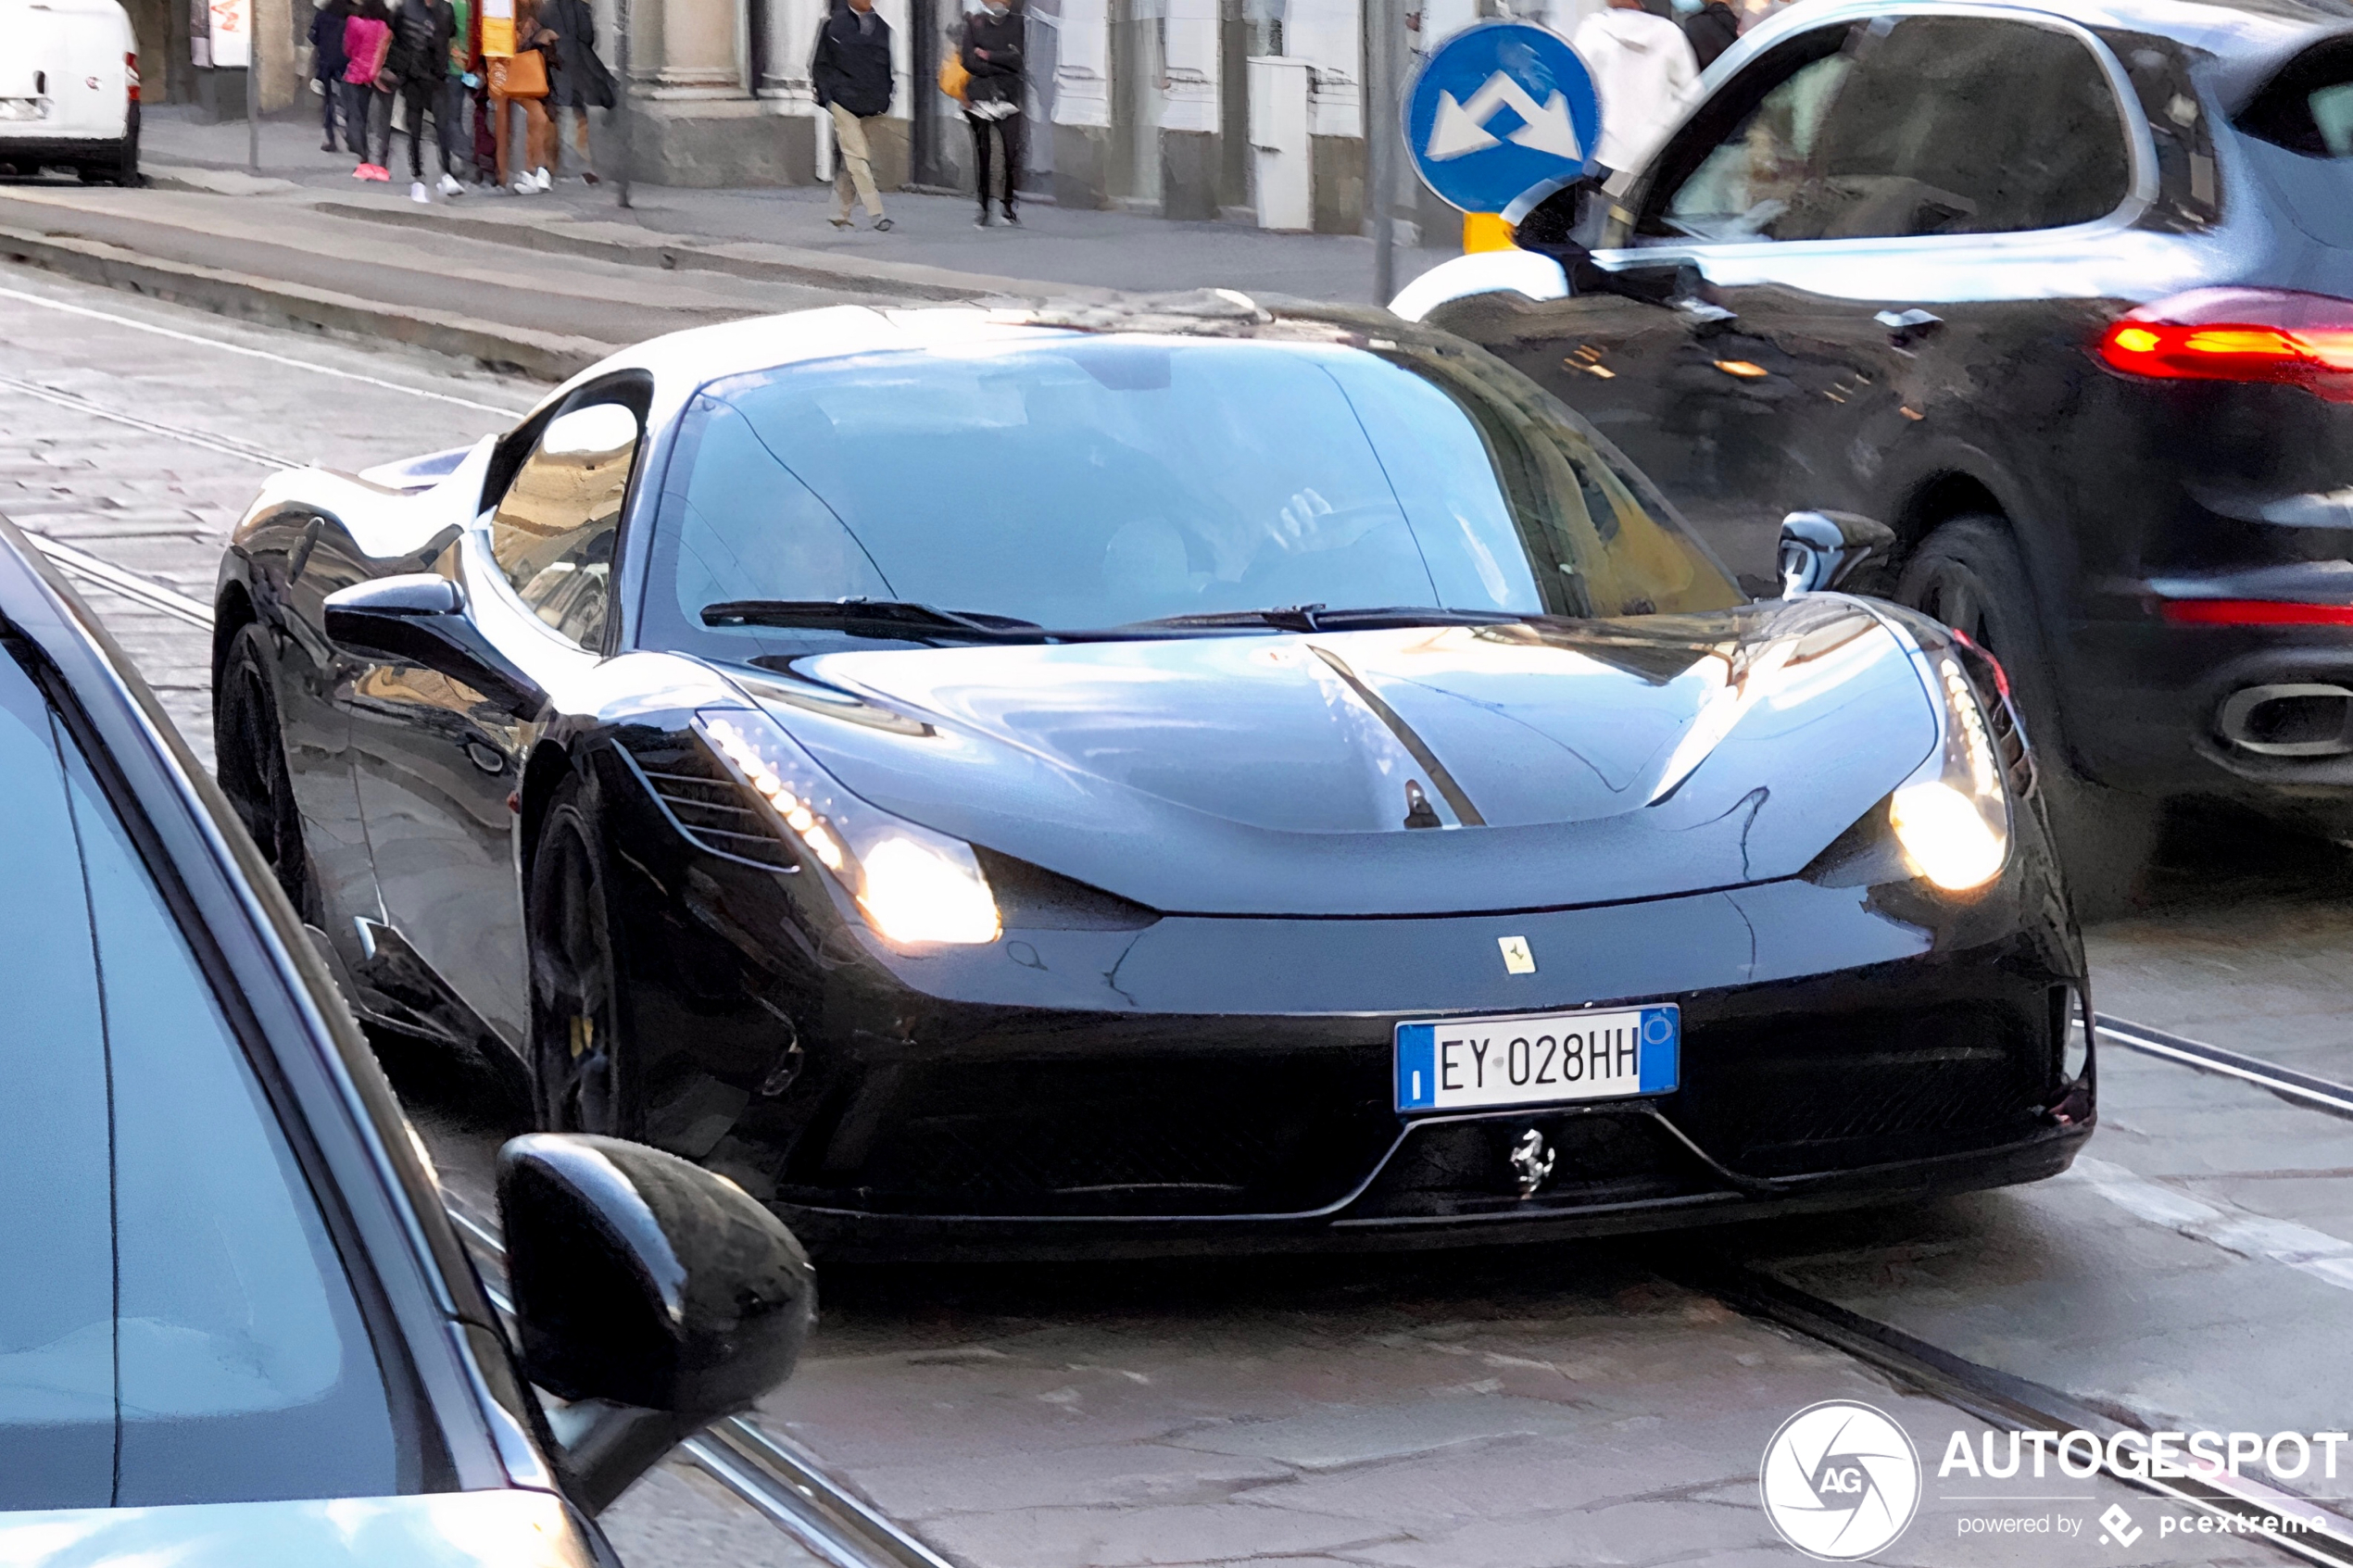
131	71
2240	335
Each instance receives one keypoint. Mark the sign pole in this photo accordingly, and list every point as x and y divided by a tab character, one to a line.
253	87
1381	140
622	111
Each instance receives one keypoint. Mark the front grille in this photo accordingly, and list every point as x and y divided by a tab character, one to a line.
1610	1155
1167	1136
1823	1093
707	806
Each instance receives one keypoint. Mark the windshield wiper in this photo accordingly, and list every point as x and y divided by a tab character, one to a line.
1321	618
875	618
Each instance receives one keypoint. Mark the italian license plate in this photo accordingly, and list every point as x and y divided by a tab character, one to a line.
1538	1059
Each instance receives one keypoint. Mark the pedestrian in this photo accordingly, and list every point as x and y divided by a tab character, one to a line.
581	81
993	64
1711	29
367	40
418	64
1646	75
328	62
521	82
850	71
456	78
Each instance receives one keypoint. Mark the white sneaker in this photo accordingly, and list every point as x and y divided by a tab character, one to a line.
417	192
449	186
542	178
523	187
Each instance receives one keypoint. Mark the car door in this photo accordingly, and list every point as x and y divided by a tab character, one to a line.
438	762
1861	246
181	1325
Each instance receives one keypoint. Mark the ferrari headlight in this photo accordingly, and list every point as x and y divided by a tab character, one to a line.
1953	817
913	885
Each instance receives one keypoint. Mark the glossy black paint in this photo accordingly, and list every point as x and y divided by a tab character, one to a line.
421	619
654	1296
1985	398
1214	912
645	1280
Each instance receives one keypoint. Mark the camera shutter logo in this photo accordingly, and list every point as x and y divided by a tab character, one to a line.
1840	1481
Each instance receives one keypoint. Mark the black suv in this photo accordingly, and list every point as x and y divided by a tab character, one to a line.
2059	296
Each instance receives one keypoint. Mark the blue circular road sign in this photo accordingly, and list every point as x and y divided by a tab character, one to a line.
1499	110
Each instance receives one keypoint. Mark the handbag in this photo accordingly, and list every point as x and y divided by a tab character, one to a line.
522	75
954	78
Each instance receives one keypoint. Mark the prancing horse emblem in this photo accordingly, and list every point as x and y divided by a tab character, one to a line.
1533	1160
1518	959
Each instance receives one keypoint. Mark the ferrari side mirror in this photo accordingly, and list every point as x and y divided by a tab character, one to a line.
421	619
653	1294
1823	550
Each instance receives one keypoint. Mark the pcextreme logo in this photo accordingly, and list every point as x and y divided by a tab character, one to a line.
1840	1481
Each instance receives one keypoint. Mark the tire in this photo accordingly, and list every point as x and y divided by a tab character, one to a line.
579	1064
1968	575
250	747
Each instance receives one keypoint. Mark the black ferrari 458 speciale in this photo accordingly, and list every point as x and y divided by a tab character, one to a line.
1189	777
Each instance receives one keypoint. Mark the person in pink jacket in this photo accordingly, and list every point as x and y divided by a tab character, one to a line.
367	39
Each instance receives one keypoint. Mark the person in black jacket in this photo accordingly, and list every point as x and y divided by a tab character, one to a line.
850	71
1712	30
327	63
579	81
419	60
992	59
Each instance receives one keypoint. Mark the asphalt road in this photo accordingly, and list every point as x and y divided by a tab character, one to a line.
1569	1404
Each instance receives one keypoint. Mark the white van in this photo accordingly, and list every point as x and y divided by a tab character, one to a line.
69	89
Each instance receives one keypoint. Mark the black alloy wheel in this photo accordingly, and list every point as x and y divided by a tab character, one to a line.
1968	575
579	1075
252	764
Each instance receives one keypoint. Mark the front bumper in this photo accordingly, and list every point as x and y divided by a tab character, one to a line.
1214	1083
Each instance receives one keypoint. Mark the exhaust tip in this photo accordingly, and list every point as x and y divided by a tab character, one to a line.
2305	719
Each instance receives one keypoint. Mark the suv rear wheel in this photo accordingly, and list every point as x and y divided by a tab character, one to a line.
1968	575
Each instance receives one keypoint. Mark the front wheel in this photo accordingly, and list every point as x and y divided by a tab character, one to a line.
1968	574
579	1069
250	746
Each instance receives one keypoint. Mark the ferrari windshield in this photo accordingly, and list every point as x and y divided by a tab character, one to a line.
1076	480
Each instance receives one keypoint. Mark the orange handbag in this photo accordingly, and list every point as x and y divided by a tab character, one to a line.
522	75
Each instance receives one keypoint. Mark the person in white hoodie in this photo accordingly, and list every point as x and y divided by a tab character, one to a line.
1646	74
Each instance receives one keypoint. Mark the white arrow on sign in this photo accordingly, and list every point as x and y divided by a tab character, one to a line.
1462	127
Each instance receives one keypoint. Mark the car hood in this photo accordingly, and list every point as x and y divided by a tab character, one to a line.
1279	773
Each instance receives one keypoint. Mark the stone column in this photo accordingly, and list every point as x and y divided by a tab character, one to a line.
698	123
1082	105
784	90
1189	125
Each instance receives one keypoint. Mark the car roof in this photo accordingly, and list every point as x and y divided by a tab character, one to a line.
683	360
2231	30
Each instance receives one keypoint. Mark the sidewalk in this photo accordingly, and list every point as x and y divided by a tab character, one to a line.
1103	250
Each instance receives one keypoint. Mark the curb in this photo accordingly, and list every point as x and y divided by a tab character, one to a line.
744	259
549	356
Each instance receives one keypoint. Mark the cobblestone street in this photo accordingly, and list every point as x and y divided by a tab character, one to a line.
1574	1404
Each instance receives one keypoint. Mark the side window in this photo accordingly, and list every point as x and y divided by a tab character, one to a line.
1911	126
57	1341
554	531
195	1338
